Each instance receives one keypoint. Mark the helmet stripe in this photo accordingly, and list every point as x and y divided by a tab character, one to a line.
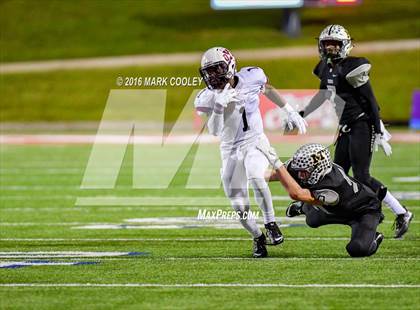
329	31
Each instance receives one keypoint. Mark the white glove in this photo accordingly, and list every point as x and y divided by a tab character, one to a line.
295	120
383	143
223	97
386	134
271	155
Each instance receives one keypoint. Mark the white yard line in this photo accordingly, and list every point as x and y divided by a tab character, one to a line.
36	240
395	259
194	57
196	201
131	208
63	254
5	224
415	179
162	223
195	285
154	239
31	197
352	259
11	264
54	139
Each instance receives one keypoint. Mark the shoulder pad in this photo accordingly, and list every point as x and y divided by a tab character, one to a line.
318	69
253	76
356	70
327	196
204	100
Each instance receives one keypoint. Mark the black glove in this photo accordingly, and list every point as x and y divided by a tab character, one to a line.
296	204
294	209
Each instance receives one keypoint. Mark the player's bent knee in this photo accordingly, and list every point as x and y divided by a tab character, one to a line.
239	204
357	249
313	221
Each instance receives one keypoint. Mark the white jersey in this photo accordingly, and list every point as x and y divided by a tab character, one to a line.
242	121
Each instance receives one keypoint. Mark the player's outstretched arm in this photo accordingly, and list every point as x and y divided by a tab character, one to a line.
280	173
293	117
274	96
293	188
314	104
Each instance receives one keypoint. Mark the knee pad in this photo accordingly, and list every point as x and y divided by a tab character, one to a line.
357	249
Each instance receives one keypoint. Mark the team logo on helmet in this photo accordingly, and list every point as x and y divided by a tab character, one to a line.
218	66
311	162
334	43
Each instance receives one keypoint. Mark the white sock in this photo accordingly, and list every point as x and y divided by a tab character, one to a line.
394	204
241	206
263	198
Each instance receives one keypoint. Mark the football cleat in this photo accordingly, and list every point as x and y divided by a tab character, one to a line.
273	233
378	238
401	224
294	209
260	249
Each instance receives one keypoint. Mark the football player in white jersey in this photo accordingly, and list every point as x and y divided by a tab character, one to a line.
231	102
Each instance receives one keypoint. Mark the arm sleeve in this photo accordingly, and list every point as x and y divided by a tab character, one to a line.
366	92
274	96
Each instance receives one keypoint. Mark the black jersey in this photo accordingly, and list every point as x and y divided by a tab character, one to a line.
346	196
348	79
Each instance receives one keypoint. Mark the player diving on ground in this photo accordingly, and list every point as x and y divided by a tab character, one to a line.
336	197
231	102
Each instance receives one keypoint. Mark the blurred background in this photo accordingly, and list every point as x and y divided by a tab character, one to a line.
43	32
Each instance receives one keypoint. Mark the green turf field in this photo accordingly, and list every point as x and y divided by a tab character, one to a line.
49	29
39	188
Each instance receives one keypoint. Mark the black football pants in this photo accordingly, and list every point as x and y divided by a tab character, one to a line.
354	150
363	228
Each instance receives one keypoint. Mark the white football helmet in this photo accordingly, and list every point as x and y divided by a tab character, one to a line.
334	43
218	66
311	162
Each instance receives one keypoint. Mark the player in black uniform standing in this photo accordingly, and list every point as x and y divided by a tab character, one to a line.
345	82
338	198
